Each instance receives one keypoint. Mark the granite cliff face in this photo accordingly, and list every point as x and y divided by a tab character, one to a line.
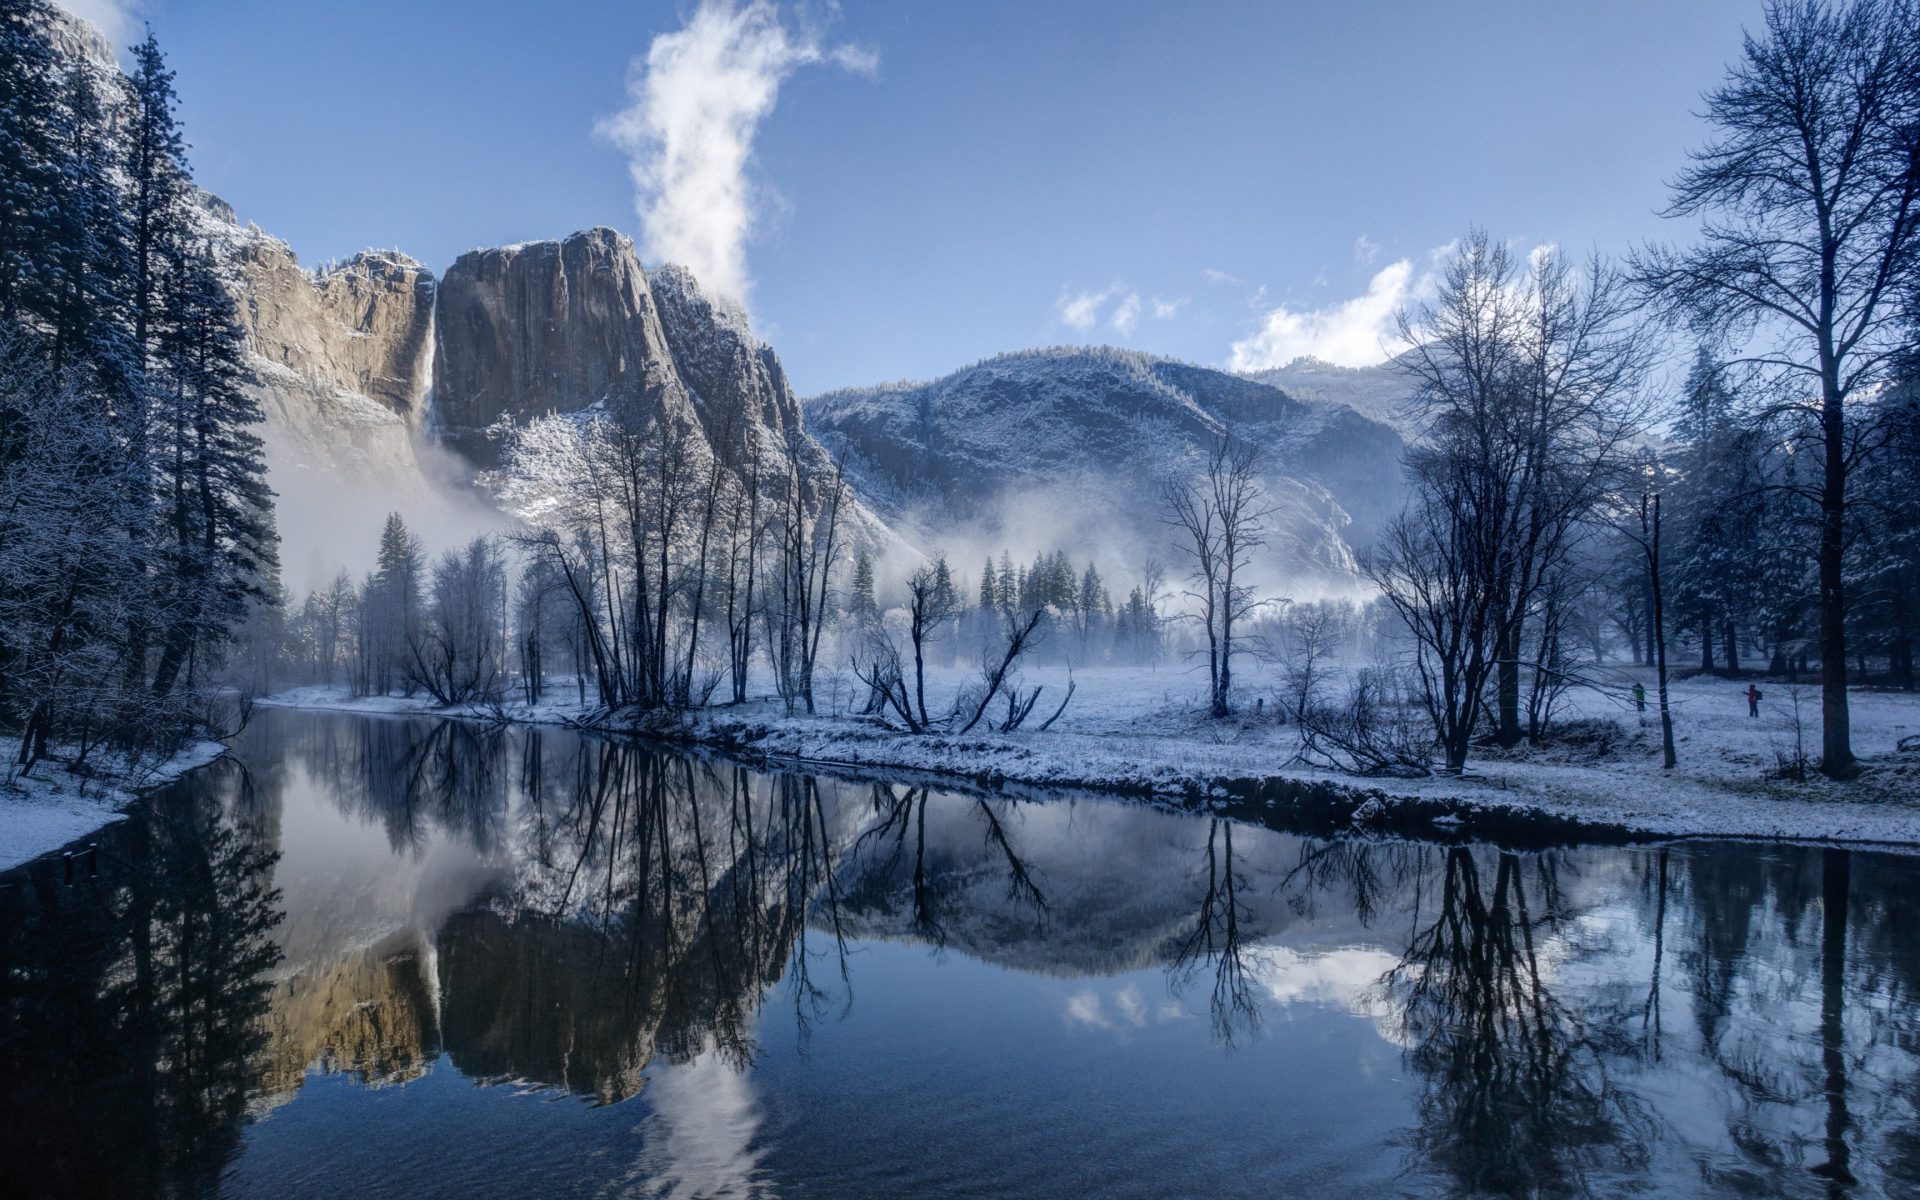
735	379
365	325
547	327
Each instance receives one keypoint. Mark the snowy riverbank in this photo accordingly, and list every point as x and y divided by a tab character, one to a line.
50	807
1144	733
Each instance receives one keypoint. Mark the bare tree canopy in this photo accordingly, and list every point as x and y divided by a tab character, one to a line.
1809	201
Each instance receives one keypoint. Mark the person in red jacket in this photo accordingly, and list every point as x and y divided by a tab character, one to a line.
1753	701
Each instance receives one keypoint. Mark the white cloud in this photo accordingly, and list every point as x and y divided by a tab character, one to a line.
118	19
1352	333
697	100
1081	310
1215	276
1119	306
1365	250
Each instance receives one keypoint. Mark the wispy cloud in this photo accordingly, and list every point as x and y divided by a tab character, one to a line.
697	98
1365	250
1081	310
1118	306
1356	332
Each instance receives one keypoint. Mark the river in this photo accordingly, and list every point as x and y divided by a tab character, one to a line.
380	956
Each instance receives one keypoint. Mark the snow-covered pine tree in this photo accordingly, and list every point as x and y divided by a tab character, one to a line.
30	158
218	509
861	604
390	606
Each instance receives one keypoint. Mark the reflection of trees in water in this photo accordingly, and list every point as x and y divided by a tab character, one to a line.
416	777
1218	941
879	859
664	898
1518	1097
1804	996
653	903
131	1004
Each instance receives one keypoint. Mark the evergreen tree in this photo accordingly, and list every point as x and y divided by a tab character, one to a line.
218	506
1714	516
31	157
156	178
860	600
391	603
946	598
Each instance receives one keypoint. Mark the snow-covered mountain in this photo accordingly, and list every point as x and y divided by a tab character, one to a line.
1071	447
380	382
1379	392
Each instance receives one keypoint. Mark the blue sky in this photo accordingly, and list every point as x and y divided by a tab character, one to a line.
897	189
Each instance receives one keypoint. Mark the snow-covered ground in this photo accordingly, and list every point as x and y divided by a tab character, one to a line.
50	807
1145	732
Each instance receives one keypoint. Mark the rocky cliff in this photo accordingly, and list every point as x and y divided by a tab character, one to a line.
547	327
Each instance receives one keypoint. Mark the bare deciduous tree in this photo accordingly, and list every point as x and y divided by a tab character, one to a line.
1810	248
1218	519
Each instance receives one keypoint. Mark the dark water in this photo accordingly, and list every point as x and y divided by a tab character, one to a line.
405	957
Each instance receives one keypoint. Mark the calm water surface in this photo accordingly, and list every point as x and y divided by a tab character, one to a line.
390	957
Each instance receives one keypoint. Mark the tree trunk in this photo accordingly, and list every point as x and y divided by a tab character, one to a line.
1836	739
1508	686
1659	628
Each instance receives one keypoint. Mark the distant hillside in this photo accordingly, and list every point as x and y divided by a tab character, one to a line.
1378	392
1070	446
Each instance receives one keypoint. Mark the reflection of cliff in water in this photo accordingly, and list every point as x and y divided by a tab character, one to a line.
555	910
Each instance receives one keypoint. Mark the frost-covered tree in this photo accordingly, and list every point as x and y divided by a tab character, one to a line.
861	604
1808	197
1527	385
391	601
1219	518
458	653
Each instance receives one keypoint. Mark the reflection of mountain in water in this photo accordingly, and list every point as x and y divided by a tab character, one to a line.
556	910
369	1012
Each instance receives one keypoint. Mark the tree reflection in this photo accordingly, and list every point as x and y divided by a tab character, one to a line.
1218	941
879	858
1518	1099
131	1004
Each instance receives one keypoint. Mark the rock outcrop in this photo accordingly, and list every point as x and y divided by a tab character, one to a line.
547	327
364	326
735	379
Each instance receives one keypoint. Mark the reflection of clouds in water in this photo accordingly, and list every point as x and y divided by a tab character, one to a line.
699	1137
1346	979
1341	978
1123	1009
